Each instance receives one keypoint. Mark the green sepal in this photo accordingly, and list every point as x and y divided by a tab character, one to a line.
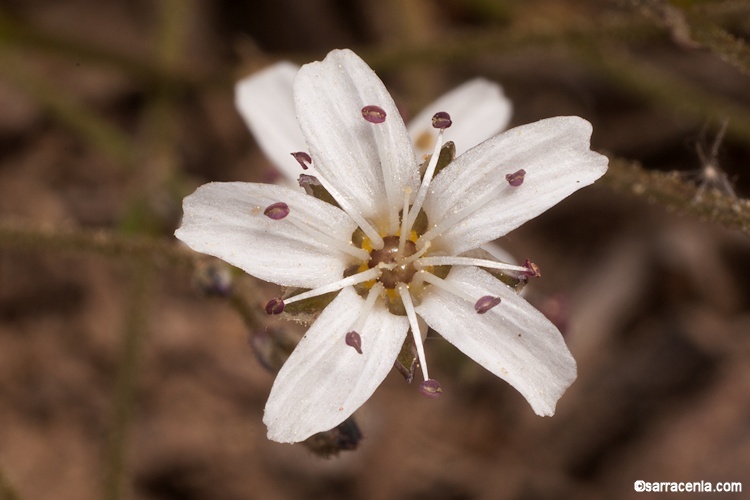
313	187
406	361
305	311
447	155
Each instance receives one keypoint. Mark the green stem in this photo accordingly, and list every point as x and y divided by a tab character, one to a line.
670	191
136	323
664	89
66	108
158	252
729	48
15	32
7	491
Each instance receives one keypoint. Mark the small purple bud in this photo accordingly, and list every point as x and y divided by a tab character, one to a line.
431	388
373	114
516	178
277	211
303	159
486	303
275	306
354	340
532	270
441	120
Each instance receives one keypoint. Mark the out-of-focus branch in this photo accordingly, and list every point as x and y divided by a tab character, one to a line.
7	492
664	89
22	235
669	190
67	109
135	329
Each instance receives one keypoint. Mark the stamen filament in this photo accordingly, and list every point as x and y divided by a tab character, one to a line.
403	291
450	221
438	260
316	234
372	296
441	283
408	222
404	234
415	256
368	275
375	239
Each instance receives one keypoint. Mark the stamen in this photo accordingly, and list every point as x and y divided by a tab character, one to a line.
408	222
375	239
276	211
354	340
319	236
531	269
460	215
431	388
516	178
404	235
303	159
275	306
486	303
441	120
449	260
368	275
373	114
403	291
415	256
448	287
372	296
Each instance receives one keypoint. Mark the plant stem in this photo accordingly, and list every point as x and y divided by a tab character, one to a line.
668	190
135	329
158	252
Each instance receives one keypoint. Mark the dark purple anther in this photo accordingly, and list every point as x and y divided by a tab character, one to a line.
441	120
373	114
275	306
516	178
303	159
277	211
430	388
354	340
486	303
532	270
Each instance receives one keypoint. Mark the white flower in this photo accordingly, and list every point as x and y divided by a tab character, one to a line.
391	270
479	110
265	101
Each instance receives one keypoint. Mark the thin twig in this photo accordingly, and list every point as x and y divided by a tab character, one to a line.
67	109
21	235
669	190
665	89
7	491
15	32
136	321
728	47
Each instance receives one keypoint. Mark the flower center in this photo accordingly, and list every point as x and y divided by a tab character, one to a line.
389	254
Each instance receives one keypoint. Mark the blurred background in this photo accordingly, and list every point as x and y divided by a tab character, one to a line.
123	376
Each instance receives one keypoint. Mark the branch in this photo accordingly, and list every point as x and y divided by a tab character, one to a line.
118	246
668	190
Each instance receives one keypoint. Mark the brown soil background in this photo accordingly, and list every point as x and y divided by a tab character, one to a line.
110	112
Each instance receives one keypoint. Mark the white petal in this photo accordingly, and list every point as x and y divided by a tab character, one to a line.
475	203
226	220
499	253
512	340
478	109
325	380
266	103
369	165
